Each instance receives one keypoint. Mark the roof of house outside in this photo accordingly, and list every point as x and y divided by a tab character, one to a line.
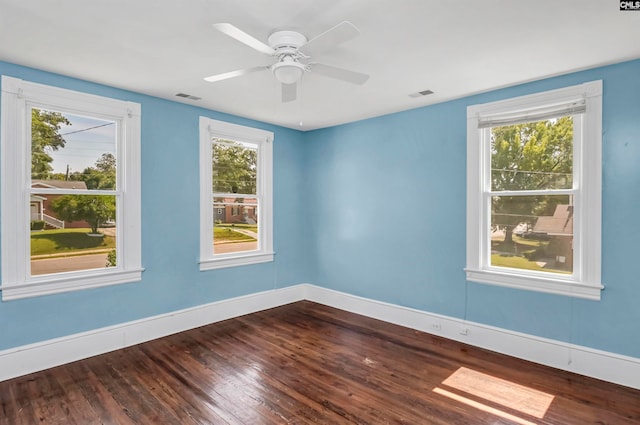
59	184
559	224
249	202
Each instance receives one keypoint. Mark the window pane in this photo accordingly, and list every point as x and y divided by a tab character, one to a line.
72	233
533	156
235	225
532	233
234	167
70	150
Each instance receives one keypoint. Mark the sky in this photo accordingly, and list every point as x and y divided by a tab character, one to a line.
87	138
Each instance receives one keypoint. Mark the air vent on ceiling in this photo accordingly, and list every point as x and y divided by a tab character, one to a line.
421	93
188	96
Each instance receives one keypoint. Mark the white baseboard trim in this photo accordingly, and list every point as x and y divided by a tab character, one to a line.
46	354
611	367
603	365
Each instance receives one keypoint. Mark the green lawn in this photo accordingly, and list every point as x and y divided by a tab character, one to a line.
521	263
227	234
67	240
515	254
529	242
514	262
250	227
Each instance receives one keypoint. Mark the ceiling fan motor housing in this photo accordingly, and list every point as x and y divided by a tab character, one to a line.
286	41
286	44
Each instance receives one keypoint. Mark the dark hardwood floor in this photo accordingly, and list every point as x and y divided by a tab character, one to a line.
306	363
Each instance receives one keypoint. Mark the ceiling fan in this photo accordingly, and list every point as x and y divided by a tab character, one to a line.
293	53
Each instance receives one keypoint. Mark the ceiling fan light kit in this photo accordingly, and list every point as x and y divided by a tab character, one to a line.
288	71
289	48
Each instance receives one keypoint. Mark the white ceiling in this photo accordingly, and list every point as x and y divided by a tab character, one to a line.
455	48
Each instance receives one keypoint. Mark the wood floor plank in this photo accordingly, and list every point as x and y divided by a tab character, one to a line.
205	385
106	409
305	363
336	376
240	368
76	407
354	375
14	402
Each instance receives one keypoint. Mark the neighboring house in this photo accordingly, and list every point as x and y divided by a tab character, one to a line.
40	204
559	229
246	213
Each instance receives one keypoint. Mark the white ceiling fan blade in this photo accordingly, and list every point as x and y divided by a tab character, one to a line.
234	32
342	32
289	92
339	73
232	74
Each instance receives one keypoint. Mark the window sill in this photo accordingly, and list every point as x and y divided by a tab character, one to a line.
236	260
58	284
536	283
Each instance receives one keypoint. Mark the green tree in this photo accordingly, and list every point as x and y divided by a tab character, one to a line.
101	176
234	168
45	137
106	163
111	259
94	209
106	166
529	156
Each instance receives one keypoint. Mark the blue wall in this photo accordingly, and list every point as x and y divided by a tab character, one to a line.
170	228
375	208
389	211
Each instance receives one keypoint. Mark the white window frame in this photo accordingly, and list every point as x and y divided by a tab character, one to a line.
585	281
18	98
212	129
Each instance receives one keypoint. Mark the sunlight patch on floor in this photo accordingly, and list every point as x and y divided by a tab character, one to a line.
482	407
499	391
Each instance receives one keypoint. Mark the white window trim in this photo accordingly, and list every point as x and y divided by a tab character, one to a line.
18	97
585	282
210	129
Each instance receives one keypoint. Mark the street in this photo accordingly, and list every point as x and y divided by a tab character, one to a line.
224	248
67	264
98	261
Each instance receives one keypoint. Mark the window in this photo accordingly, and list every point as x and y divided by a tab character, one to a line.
534	191
235	195
70	189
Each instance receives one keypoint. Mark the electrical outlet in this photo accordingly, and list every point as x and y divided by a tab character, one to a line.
436	326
